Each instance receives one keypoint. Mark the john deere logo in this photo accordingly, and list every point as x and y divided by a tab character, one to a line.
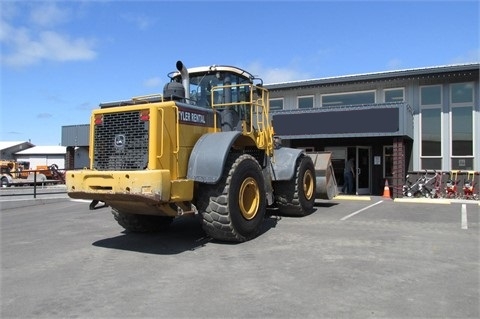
119	141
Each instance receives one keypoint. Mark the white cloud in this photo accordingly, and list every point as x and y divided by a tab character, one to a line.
5	31
153	82
25	49
276	75
467	57
394	64
44	115
9	10
141	21
48	14
24	45
84	106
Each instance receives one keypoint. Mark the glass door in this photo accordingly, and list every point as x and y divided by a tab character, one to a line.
363	167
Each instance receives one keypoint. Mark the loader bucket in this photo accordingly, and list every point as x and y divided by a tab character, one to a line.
325	177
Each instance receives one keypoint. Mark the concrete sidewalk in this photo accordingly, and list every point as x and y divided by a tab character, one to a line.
15	197
24	202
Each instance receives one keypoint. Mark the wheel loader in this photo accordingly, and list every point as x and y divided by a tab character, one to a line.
205	146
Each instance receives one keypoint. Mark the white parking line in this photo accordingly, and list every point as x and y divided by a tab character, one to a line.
464	217
81	200
360	210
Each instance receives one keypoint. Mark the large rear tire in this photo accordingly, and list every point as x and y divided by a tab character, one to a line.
137	223
296	197
234	208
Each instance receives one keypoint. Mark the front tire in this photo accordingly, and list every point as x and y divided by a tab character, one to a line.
296	197
234	208
137	223
4	182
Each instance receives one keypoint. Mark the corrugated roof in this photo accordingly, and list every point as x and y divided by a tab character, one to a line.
43	150
377	75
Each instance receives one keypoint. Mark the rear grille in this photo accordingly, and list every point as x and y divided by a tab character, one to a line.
121	142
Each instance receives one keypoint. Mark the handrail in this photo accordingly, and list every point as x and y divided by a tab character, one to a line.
177	129
161	133
259	126
176	151
148	97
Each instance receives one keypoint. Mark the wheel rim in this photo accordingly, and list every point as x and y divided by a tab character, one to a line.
249	198
308	184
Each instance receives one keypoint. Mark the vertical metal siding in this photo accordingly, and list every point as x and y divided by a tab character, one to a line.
76	135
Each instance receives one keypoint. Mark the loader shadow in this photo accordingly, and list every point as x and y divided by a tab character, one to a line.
317	208
185	234
325	203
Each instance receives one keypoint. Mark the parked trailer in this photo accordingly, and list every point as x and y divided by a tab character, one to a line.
32	179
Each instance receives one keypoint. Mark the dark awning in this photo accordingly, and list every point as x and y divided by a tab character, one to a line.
387	119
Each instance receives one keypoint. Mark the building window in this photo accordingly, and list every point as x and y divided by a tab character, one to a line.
462	163
461	123
305	102
431	127
431	95
354	98
394	95
461	93
431	146
431	163
462	131
276	104
431	132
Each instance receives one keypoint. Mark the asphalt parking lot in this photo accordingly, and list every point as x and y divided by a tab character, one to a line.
350	259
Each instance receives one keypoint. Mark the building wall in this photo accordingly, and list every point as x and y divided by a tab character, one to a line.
76	135
36	160
81	158
412	87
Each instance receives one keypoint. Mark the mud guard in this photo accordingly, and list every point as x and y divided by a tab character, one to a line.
209	155
283	163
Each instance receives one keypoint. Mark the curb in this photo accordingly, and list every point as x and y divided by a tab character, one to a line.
436	201
422	200
10	204
352	197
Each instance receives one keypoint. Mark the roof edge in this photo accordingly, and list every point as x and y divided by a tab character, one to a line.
377	75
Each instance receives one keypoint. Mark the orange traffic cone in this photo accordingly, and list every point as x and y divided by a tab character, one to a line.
386	190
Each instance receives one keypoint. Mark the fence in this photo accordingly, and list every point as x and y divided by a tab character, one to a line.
33	182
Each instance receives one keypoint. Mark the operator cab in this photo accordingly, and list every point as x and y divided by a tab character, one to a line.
198	83
218	87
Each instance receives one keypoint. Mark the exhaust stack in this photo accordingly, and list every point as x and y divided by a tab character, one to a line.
185	79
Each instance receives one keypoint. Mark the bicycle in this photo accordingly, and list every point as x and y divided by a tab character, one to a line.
469	187
426	188
415	189
451	188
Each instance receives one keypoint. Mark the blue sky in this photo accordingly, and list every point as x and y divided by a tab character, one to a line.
60	59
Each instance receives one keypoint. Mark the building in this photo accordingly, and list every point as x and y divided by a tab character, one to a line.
31	156
76	139
43	155
392	122
9	148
